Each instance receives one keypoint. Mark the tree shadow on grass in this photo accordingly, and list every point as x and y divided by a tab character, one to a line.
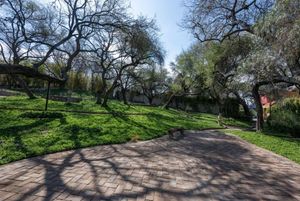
12	130
20	134
19	130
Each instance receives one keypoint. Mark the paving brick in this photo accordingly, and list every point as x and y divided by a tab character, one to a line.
74	198
111	185
5	195
201	166
128	186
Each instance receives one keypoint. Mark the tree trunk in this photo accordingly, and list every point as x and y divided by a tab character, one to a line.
106	95
65	77
244	105
166	105
176	103
101	91
150	100
221	111
123	91
259	108
25	87
105	100
98	98
246	109
92	83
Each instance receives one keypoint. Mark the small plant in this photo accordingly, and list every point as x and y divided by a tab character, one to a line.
135	138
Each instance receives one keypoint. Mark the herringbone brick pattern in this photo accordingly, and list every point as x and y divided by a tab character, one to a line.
201	166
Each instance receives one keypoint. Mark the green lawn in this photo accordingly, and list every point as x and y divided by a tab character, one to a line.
285	146
22	137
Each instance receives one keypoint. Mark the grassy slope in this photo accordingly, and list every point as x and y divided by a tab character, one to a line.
24	137
287	147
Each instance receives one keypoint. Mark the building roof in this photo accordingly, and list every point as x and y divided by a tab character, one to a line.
16	69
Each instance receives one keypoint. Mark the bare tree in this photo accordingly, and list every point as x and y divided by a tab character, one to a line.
218	19
117	50
13	46
39	32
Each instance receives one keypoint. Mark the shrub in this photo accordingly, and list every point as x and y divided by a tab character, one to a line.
285	117
291	104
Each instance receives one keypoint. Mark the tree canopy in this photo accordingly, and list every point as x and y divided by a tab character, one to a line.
249	44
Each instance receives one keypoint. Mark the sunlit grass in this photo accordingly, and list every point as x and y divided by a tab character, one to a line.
285	146
22	136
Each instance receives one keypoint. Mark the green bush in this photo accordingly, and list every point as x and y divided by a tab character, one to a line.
285	117
291	104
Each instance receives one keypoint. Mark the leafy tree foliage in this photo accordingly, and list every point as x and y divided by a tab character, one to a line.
152	81
188	77
262	40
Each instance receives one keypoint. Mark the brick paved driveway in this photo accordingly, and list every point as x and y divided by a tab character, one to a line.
202	166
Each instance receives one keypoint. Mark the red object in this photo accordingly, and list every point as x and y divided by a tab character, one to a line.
265	100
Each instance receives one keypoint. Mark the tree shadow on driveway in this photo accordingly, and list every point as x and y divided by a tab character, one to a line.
202	166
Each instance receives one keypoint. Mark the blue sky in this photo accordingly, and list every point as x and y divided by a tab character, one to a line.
168	14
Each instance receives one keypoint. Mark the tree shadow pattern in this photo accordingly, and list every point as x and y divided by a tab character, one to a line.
202	166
